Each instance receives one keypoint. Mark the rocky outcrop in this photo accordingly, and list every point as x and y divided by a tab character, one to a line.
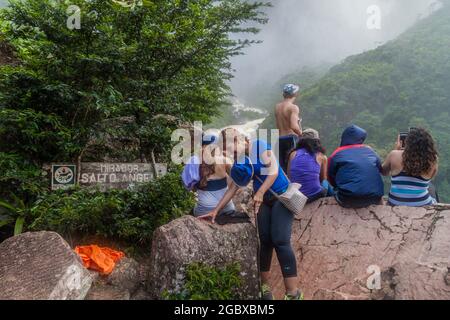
103	292
189	240
122	284
376	253
126	275
41	266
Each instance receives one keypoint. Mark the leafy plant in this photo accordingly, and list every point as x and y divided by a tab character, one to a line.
15	214
19	177
164	57
129	215
79	211
161	64
209	283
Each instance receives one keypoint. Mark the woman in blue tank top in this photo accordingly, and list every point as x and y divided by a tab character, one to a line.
308	166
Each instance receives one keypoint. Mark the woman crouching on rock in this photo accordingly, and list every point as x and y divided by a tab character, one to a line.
255	161
207	176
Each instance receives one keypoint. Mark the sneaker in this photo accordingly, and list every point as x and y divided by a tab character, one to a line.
298	297
266	293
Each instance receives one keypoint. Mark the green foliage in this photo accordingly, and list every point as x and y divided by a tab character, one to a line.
84	211
19	177
404	83
128	215
162	63
14	213
164	57
208	283
153	205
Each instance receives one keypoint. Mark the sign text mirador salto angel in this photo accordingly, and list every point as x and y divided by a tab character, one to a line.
119	175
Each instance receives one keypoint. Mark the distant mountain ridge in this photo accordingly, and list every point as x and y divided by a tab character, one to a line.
404	83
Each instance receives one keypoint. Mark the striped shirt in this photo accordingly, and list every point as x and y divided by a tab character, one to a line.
410	191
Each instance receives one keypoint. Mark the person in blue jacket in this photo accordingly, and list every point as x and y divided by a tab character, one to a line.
355	171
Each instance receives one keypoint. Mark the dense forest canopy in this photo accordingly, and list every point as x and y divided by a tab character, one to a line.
74	72
161	57
404	83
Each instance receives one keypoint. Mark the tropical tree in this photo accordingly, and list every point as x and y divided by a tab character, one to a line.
81	63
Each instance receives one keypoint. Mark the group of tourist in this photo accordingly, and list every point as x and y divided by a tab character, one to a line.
352	175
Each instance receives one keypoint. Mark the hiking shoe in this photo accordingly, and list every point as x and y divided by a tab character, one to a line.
297	297
266	293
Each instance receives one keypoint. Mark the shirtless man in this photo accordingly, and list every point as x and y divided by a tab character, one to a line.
288	123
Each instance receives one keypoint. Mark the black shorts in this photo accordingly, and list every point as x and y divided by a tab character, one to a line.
285	146
357	202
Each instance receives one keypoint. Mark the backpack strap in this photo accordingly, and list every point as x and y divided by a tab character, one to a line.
276	195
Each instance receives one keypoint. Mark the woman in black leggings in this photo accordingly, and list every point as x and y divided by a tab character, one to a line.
254	161
275	228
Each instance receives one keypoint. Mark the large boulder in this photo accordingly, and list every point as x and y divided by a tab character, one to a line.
41	266
101	291
380	252
122	284
126	275
189	240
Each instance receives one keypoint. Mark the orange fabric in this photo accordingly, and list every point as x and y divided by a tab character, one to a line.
99	259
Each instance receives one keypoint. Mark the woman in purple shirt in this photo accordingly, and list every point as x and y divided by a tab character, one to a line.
308	166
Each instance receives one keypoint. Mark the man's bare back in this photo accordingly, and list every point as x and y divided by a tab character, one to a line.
288	118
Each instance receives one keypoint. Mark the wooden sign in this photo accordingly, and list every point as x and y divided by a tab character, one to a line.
119	175
105	176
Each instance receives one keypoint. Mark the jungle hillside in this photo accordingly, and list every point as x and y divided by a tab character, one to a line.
404	83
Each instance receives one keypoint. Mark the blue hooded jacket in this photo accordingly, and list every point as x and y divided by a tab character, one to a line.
354	168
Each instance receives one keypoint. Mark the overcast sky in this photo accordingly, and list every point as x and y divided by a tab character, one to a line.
309	32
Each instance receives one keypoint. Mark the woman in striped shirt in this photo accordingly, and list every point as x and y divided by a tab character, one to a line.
412	166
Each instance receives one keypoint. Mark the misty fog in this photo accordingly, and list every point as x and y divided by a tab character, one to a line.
309	32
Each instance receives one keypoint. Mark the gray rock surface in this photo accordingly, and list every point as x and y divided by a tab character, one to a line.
340	251
41	266
187	240
124	283
107	292
126	275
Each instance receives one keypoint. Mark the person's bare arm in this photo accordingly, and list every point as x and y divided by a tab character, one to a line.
386	168
295	121
291	157
436	170
323	168
229	195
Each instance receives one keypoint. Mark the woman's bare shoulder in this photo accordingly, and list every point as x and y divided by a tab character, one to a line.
396	155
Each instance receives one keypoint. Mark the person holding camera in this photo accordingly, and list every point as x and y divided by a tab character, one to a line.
412	165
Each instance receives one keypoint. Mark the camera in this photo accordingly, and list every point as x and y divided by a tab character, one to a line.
403	137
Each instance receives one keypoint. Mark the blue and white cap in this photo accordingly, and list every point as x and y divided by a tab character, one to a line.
291	89
209	139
